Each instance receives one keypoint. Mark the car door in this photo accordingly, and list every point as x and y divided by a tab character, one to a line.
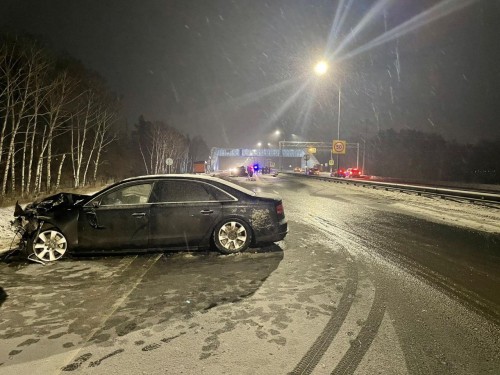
182	213
117	219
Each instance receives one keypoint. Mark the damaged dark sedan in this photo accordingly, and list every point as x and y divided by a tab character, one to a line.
152	213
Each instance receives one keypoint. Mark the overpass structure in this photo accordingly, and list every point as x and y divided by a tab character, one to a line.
288	154
224	158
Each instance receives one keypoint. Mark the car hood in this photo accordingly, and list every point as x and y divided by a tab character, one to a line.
60	200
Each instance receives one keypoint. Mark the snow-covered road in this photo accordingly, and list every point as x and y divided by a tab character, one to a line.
366	281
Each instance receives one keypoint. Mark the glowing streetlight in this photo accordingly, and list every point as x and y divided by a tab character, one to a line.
321	68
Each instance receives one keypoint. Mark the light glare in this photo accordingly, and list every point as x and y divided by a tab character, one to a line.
321	68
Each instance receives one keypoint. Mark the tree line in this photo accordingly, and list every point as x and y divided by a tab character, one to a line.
61	125
54	115
412	154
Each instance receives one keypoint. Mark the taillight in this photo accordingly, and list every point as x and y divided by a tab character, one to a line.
279	209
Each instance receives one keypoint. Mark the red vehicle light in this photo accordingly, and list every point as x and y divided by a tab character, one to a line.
279	209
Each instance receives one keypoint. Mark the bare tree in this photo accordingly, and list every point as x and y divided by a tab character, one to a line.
59	96
81	125
157	143
49	108
103	136
20	69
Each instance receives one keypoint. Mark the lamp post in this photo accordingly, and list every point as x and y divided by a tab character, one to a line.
320	69
280	144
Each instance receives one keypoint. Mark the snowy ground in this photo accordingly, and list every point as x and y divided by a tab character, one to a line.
261	312
472	216
457	213
6	233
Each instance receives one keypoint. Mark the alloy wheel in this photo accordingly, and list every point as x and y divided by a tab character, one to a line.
50	245
233	236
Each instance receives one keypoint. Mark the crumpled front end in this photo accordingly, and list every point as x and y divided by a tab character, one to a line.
57	210
25	219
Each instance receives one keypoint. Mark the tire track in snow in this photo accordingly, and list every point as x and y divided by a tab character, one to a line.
468	298
352	358
310	360
359	347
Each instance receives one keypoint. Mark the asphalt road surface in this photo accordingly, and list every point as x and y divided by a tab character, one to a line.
357	287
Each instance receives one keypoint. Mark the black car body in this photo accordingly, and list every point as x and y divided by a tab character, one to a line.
153	212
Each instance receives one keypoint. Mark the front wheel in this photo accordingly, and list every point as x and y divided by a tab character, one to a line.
232	236
49	245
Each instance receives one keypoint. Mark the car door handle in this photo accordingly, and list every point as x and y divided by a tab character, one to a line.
139	214
206	212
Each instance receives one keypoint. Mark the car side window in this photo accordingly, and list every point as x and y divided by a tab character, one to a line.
134	194
219	195
177	191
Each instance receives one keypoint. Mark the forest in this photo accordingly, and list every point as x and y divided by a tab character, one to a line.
412	154
61	126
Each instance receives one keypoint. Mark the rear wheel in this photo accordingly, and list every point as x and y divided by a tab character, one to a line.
49	245
232	236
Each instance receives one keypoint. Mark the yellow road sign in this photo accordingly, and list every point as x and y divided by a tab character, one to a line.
311	150
339	147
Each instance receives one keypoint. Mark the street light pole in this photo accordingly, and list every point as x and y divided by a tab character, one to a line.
338	121
320	69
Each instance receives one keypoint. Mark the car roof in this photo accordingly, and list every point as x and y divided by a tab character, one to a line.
184	175
191	176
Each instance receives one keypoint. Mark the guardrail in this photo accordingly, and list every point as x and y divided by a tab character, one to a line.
444	193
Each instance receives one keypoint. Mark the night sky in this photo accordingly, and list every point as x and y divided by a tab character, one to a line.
234	71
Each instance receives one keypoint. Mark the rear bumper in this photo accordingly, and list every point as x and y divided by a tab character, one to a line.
278	235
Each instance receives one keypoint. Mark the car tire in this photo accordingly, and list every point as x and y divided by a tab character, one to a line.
232	236
48	245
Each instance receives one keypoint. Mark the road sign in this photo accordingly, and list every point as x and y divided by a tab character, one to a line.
169	161
311	150
307	157
331	162
339	147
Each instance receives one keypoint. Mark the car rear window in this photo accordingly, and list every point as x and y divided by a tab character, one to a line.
234	186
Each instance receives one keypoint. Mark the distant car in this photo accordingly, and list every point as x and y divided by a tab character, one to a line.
240	171
297	169
313	172
352	173
338	173
152	212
